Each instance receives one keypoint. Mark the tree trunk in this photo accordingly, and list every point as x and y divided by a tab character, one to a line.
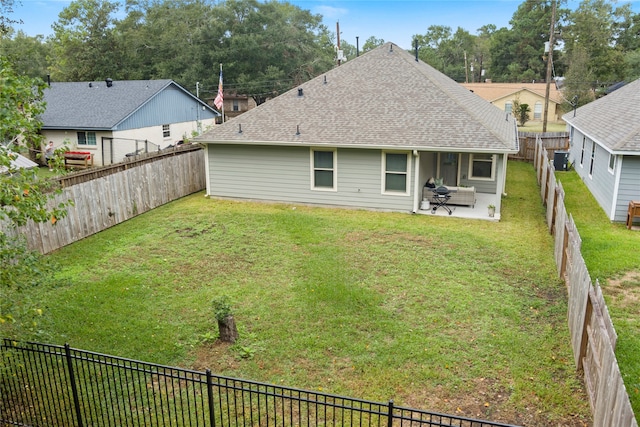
228	330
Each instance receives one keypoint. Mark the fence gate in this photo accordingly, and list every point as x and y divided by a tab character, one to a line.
107	151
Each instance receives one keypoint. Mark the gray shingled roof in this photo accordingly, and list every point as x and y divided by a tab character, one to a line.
383	98
613	120
76	105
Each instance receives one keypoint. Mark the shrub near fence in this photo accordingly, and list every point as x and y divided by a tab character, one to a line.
106	196
59	386
593	337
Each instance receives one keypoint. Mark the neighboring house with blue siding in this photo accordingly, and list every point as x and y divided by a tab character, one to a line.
367	134
605	148
111	119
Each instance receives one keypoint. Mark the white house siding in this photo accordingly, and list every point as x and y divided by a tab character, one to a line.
629	188
69	139
277	173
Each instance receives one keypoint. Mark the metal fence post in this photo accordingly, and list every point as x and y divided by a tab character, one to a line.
212	419
390	414
74	388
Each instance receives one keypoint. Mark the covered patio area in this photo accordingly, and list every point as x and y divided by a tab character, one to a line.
479	211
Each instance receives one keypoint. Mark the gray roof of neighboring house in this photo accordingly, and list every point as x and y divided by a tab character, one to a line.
383	98
613	120
93	105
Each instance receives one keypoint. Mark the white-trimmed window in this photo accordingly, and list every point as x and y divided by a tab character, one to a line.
537	111
236	105
612	162
396	172
508	107
323	169
482	167
593	157
86	138
584	141
166	132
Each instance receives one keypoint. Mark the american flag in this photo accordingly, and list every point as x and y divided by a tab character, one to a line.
218	102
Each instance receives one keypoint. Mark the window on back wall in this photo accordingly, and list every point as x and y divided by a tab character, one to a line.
236	105
612	163
537	111
86	138
482	167
593	157
396	172
166	133
508	106
582	152
324	169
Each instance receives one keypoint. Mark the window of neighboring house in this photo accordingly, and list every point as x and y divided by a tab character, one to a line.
166	133
236	105
612	163
86	138
584	141
593	157
324	169
482	166
537	111
396	172
508	106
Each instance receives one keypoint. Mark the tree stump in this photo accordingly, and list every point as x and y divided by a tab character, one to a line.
228	330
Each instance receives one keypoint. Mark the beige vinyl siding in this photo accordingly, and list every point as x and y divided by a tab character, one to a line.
277	173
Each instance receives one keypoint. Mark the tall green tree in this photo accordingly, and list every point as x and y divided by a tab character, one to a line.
272	46
84	44
28	55
371	43
518	53
592	27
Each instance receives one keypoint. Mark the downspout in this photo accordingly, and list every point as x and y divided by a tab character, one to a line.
206	171
616	187
503	181
416	184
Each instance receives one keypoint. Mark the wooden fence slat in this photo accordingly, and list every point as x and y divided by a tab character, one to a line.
593	336
115	194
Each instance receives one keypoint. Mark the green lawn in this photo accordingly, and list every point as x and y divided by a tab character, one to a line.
442	314
612	255
537	127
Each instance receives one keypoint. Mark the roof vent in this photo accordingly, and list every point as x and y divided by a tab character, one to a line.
297	129
90	84
300	91
109	82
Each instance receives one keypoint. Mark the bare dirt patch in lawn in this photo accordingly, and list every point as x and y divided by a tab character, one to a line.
625	290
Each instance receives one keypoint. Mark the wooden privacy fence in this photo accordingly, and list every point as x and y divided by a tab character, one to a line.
593	337
104	197
551	141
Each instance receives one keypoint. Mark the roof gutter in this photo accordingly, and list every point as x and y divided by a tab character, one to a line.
369	147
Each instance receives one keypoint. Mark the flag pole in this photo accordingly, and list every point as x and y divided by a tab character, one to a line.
223	91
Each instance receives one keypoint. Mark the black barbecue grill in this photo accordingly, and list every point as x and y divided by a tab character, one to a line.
441	196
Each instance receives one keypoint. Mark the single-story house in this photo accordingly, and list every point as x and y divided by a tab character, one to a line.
367	134
604	147
503	95
114	118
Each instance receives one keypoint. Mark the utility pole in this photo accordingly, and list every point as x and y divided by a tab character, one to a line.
549	65
338	33
466	68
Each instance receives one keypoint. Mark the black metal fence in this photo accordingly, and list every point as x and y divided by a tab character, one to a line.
48	385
